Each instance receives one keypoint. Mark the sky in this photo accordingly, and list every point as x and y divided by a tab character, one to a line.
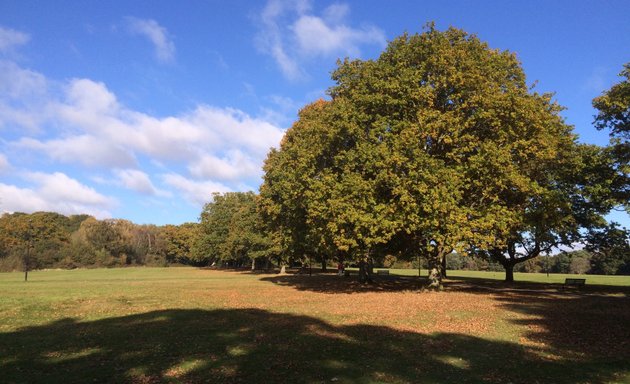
142	109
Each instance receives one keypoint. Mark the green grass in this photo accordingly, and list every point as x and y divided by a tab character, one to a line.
149	325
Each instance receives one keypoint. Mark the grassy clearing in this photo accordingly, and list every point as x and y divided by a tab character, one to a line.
174	325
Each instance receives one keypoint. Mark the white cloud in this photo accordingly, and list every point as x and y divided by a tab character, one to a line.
18	83
270	38
58	186
336	13
236	129
55	192
98	131
4	163
82	123
138	181
10	38
196	192
83	149
315	37
235	165
291	33
21	91
157	35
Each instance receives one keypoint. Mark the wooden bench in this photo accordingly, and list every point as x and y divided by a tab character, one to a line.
578	283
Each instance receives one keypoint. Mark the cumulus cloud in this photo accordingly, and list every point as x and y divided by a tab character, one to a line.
235	165
10	38
315	37
138	181
58	186
18	83
98	131
291	33
82	149
196	192
156	34
55	192
91	107
82	123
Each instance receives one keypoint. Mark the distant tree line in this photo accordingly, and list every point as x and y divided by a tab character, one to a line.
53	240
232	234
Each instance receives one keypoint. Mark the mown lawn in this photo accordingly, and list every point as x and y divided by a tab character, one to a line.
146	325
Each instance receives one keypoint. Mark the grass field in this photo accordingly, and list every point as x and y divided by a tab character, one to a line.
150	325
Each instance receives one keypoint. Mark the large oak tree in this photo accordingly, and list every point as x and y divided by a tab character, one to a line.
439	141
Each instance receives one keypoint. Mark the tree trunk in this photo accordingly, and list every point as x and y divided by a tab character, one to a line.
444	267
434	261
509	272
253	264
324	264
364	272
283	269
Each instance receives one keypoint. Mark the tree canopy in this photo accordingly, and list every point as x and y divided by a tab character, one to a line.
614	114
231	230
439	141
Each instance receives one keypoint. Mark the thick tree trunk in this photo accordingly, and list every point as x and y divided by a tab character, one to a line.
362	272
365	271
509	272
435	271
444	267
324	264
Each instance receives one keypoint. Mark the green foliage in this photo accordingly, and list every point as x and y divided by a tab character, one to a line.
610	247
44	233
614	107
614	114
438	145
576	262
179	243
457	261
232	231
57	241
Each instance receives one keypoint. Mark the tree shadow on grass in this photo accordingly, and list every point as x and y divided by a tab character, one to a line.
481	284
592	326
332	283
256	346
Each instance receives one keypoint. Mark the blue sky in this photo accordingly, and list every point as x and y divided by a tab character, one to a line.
141	109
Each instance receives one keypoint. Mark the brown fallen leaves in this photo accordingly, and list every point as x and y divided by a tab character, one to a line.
550	321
